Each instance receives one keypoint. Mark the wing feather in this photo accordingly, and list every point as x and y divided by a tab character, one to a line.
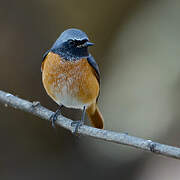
94	65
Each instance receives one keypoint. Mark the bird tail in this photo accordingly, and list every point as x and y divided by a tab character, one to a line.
95	116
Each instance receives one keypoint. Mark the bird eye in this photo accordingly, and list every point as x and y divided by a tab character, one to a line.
71	42
77	43
81	44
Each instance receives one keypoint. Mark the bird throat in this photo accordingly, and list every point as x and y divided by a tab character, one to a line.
71	54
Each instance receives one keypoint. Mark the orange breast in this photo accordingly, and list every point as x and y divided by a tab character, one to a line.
72	83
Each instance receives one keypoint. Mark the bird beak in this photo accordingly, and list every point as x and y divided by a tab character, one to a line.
89	43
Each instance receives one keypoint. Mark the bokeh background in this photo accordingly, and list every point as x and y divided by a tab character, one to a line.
137	49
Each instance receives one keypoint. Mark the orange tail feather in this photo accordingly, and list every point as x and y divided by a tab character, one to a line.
95	116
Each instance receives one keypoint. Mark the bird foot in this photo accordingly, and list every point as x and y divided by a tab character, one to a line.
76	124
53	117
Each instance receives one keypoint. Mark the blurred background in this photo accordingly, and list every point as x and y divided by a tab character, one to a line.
137	49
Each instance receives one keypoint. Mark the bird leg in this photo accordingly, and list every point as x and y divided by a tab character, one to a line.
77	124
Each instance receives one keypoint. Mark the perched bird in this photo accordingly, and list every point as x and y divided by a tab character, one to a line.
71	76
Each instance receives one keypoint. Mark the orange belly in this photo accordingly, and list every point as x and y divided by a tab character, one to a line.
71	83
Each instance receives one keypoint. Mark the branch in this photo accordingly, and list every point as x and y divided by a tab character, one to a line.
119	138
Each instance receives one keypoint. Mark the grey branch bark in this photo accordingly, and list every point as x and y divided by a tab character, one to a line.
119	138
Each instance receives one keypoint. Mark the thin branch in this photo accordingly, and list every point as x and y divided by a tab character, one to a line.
119	138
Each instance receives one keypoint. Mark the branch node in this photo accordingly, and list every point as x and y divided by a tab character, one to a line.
126	133
152	146
8	95
35	104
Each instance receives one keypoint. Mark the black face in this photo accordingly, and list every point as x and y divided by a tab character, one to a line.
73	49
72	45
77	43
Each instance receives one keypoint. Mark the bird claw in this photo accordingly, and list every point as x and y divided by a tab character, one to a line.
53	118
77	124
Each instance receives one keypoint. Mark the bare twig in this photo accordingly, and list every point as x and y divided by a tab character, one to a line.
119	138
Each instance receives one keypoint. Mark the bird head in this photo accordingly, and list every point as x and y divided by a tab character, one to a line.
72	44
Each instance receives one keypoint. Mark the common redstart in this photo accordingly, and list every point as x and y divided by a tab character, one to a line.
71	76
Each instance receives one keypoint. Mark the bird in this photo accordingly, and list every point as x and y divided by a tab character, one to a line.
71	77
